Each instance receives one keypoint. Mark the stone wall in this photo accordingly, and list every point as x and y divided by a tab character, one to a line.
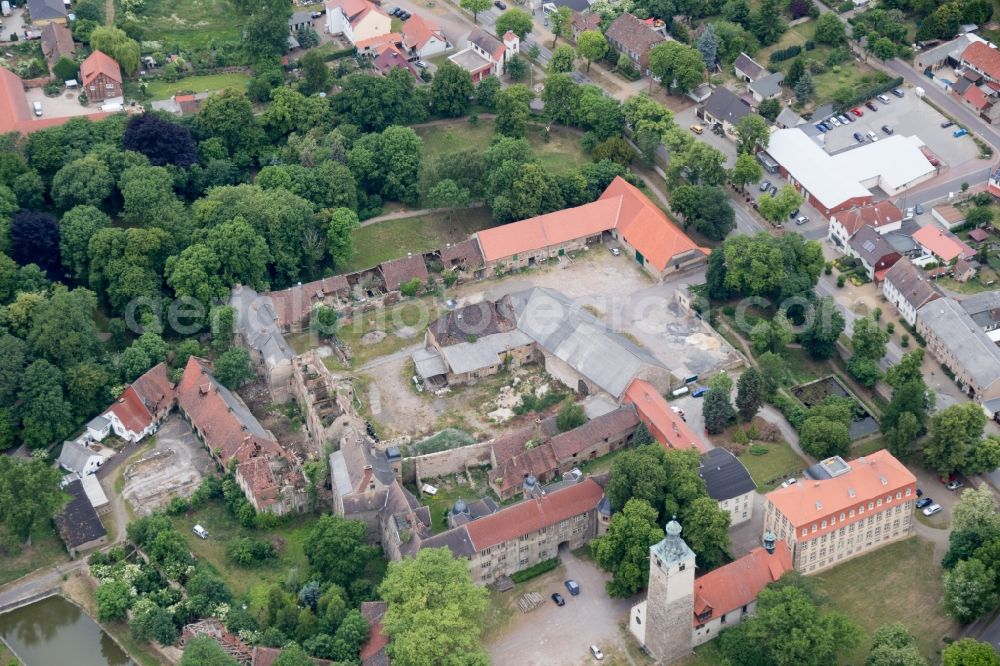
453	461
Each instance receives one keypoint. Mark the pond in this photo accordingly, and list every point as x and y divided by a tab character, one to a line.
55	631
816	392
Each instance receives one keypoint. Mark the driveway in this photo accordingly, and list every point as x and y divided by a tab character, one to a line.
554	636
13	24
746	536
66	104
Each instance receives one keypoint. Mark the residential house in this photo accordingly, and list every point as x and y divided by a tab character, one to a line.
356	20
729	483
874	252
181	105
485	55
101	77
747	69
943	245
701	92
634	37
681	611
374	46
522	535
300	21
79	459
906	287
788	118
142	406
843	510
982	58
98	428
581	23
948	54
78	523
391	58
965	270
540	325
57	42
423	38
883	217
667	426
766	87
622	211
984	308
270	476
959	343
724	108
43	12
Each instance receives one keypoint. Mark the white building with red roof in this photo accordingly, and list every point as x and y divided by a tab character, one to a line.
423	38
356	20
883	217
485	55
140	408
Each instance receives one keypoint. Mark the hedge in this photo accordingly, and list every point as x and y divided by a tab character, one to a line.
870	92
786	54
537	570
791	409
337	55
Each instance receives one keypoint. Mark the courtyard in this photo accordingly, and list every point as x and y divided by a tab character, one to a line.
175	467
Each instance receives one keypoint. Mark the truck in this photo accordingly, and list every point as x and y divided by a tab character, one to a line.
5	8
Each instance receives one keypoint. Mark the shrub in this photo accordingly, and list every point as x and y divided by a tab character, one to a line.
840	280
177	506
786	53
537	570
410	288
890	328
905	341
246	551
758	450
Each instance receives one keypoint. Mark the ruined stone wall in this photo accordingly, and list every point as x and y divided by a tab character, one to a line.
453	461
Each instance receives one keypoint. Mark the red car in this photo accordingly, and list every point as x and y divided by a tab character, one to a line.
858	112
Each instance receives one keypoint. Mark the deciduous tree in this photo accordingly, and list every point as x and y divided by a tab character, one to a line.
591	45
822	437
969	590
515	20
830	30
749	393
34	238
718	411
624	550
232	368
559	22
562	59
161	140
340	553
117	44
205	651
679	67
954	432
894	645
746	170
29	494
46	417
969	652
76	228
82	182
451	89
777	208
822	330
475	6
753	132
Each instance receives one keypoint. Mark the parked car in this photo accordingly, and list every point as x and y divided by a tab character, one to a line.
37	108
596	651
200	531
947	123
961	131
920	493
873	136
395	11
897	92
573	588
932	509
699	392
391	10
844	120
858	137
788	482
774	190
615	252
556	597
924	501
882	98
801	219
822	128
954	484
500	5
405	15
919	209
697	129
791	216
420	63
858	112
763	186
871	106
887	129
833	120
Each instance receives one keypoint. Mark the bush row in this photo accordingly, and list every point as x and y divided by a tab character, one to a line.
537	570
867	93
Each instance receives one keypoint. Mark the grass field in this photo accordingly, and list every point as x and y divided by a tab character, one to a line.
45	550
392	239
7	657
223	528
901	582
191	24
412	314
197	84
770	469
561	153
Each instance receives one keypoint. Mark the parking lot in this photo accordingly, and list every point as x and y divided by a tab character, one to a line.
907	116
66	104
689	116
13	24
174	468
551	635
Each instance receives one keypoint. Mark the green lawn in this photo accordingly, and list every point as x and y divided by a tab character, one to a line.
866	447
562	152
190	24
415	314
392	239
45	550
801	367
901	582
223	528
770	469
197	84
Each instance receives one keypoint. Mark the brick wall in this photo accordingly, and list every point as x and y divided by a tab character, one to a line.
453	461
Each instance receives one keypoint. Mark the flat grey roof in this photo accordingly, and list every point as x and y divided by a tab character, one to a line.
469	60
428	363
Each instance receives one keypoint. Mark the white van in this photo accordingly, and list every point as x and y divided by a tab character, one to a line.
200	531
37	106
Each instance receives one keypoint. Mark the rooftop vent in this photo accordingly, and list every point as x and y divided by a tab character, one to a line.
884	480
851	492
819	505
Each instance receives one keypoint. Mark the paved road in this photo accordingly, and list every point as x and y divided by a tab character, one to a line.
973	172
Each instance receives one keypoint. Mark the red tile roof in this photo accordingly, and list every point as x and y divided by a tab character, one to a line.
983	58
15	113
99	63
738	583
646	227
293	304
873	215
869	478
139	403
534	514
611	426
417	31
379	42
398	271
976	98
943	244
228	428
978	235
656	411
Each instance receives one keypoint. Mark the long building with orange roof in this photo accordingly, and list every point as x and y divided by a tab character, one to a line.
15	111
622	212
665	425
842	509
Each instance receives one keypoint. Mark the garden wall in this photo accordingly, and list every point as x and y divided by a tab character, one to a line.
453	461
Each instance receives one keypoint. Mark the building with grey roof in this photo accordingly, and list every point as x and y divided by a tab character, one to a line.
729	483
748	69
875	253
788	118
724	108
78	524
961	345
76	457
984	308
909	289
766	87
257	329
46	11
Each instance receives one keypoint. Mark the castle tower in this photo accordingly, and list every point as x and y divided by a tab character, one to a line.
662	622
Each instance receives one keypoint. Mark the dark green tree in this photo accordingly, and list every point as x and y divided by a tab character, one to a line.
624	550
451	90
749	393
